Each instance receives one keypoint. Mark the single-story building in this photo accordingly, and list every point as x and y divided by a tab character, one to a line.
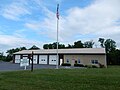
83	56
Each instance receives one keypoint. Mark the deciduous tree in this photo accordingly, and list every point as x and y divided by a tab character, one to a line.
78	44
34	47
89	44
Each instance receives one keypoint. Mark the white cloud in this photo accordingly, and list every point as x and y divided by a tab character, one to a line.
34	26
8	42
99	19
20	33
1	31
15	10
99	16
59	1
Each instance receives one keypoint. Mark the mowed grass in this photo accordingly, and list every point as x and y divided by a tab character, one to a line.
62	79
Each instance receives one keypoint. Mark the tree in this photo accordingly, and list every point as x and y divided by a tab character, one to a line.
111	52
69	46
11	51
1	53
89	44
1	56
34	48
46	46
78	44
114	57
50	46
101	40
61	46
110	45
53	46
22	48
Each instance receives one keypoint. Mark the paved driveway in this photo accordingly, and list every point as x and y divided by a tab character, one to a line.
9	66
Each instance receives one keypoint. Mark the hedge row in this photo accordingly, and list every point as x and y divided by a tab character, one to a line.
65	64
81	65
76	65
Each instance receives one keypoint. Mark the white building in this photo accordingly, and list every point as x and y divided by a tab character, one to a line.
84	56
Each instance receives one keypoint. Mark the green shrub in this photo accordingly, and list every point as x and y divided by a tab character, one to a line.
91	66
75	62
94	66
7	58
65	64
101	65
88	66
78	65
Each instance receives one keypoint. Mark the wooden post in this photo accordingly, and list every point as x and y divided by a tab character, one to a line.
32	62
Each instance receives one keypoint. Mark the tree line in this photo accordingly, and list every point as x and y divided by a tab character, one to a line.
77	44
10	52
112	53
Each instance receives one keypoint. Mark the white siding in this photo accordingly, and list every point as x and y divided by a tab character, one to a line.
42	59
17	58
25	58
52	60
35	58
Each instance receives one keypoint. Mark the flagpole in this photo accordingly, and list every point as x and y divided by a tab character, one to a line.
57	44
57	61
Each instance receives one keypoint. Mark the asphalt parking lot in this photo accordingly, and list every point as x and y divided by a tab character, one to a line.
9	66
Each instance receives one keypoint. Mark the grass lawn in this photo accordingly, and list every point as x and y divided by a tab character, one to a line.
62	79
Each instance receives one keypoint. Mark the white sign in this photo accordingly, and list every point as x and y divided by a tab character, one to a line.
24	62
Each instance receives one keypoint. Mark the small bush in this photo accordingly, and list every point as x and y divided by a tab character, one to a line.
7	59
75	62
88	66
101	65
65	64
91	66
94	66
78	65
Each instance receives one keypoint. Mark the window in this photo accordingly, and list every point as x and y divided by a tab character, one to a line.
67	60
94	61
54	60
78	60
42	60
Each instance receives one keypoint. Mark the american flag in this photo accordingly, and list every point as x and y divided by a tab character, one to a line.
57	14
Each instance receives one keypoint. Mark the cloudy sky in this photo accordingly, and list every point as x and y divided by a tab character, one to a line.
33	22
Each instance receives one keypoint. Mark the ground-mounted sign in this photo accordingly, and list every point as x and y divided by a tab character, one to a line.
24	62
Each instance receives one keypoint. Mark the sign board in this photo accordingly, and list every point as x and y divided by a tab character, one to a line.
24	62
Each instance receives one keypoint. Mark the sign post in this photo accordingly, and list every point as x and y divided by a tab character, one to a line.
25	63
31	60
